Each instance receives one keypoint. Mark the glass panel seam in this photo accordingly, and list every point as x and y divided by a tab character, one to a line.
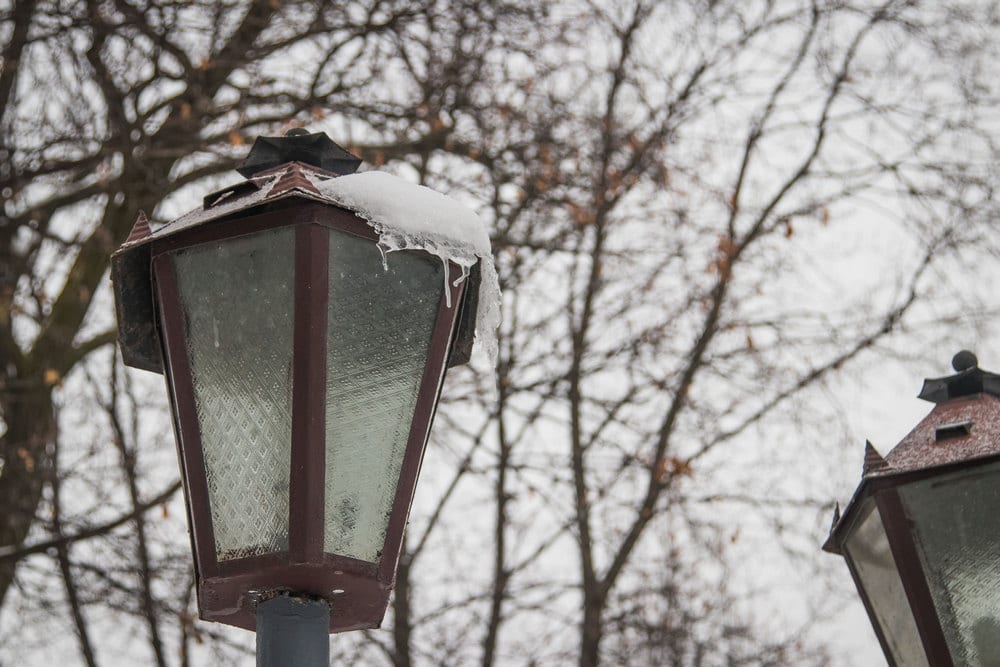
309	394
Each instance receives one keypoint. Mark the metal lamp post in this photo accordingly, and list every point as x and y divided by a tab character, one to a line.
303	371
921	534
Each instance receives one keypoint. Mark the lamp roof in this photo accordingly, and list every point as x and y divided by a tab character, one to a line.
962	427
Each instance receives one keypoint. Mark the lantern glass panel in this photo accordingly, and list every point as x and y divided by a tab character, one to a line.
867	549
237	296
956	527
380	322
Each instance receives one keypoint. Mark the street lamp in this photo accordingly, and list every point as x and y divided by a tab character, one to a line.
921	535
303	365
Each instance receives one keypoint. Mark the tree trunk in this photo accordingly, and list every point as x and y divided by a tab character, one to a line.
590	635
25	448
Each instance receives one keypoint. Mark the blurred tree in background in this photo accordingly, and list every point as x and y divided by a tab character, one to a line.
710	217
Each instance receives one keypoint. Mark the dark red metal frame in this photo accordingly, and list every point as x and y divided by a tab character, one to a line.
357	591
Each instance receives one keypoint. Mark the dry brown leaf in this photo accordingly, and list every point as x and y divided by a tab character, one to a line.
672	466
664	176
581	215
726	250
27	458
545	155
726	246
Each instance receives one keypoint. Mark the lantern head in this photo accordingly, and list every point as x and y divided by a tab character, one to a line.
303	364
920	534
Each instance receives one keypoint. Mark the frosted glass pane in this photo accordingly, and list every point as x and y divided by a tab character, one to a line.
956	523
380	324
238	301
868	550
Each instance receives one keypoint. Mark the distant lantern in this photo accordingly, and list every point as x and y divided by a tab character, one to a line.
303	365
921	535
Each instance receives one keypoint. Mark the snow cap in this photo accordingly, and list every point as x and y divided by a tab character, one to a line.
413	217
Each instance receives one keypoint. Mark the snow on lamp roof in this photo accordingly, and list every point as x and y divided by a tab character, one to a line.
409	215
413	217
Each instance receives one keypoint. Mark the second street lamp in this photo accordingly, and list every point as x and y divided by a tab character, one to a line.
920	534
303	365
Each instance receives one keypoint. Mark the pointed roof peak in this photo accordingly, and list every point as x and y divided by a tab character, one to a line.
874	462
140	230
831	544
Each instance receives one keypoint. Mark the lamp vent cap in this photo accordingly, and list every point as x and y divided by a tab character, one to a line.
969	380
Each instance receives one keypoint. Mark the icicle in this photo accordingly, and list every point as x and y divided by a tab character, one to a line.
383	249
447	288
461	278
